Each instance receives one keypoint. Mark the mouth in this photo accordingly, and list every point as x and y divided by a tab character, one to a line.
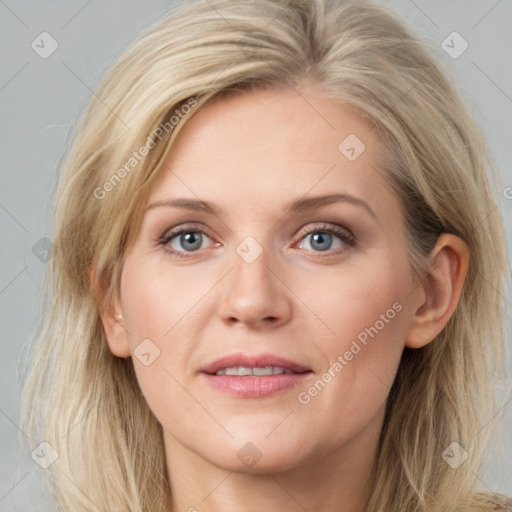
246	371
253	364
254	376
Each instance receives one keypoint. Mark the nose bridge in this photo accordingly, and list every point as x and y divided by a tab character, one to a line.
253	263
254	293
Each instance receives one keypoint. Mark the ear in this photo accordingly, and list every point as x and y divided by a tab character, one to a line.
437	296
110	311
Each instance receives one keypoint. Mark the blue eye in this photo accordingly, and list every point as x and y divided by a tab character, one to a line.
191	238
185	239
321	240
321	237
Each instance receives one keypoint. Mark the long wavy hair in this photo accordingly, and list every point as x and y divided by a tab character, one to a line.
86	403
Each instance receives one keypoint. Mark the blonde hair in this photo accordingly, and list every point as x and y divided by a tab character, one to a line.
86	403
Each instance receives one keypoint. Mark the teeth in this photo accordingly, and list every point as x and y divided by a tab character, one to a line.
242	371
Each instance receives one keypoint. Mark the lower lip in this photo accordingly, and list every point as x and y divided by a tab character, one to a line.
255	387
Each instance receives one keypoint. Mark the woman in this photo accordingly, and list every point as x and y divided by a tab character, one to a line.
277	274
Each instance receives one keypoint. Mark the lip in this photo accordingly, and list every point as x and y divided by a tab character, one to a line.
254	386
253	361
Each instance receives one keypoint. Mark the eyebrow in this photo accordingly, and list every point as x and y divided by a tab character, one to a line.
300	206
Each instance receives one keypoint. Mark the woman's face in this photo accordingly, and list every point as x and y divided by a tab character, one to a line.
266	270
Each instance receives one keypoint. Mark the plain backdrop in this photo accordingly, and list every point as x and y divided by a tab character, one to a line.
41	98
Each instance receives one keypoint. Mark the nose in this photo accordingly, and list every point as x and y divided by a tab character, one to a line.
255	295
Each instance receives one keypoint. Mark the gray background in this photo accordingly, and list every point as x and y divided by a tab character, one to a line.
40	100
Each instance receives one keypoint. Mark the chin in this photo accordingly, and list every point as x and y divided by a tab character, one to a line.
255	456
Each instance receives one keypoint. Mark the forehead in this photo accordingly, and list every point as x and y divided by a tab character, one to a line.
280	144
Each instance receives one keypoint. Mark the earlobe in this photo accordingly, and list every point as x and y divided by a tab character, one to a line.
440	291
109	310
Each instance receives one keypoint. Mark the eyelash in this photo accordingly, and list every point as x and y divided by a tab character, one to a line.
344	234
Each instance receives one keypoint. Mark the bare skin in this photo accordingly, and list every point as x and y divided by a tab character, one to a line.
305	297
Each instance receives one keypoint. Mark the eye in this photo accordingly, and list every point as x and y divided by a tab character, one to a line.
320	238
185	239
191	239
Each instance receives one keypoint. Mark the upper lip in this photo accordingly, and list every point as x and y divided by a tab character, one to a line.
253	361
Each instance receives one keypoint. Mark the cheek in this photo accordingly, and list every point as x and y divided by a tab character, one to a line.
156	303
362	302
365	312
160	312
